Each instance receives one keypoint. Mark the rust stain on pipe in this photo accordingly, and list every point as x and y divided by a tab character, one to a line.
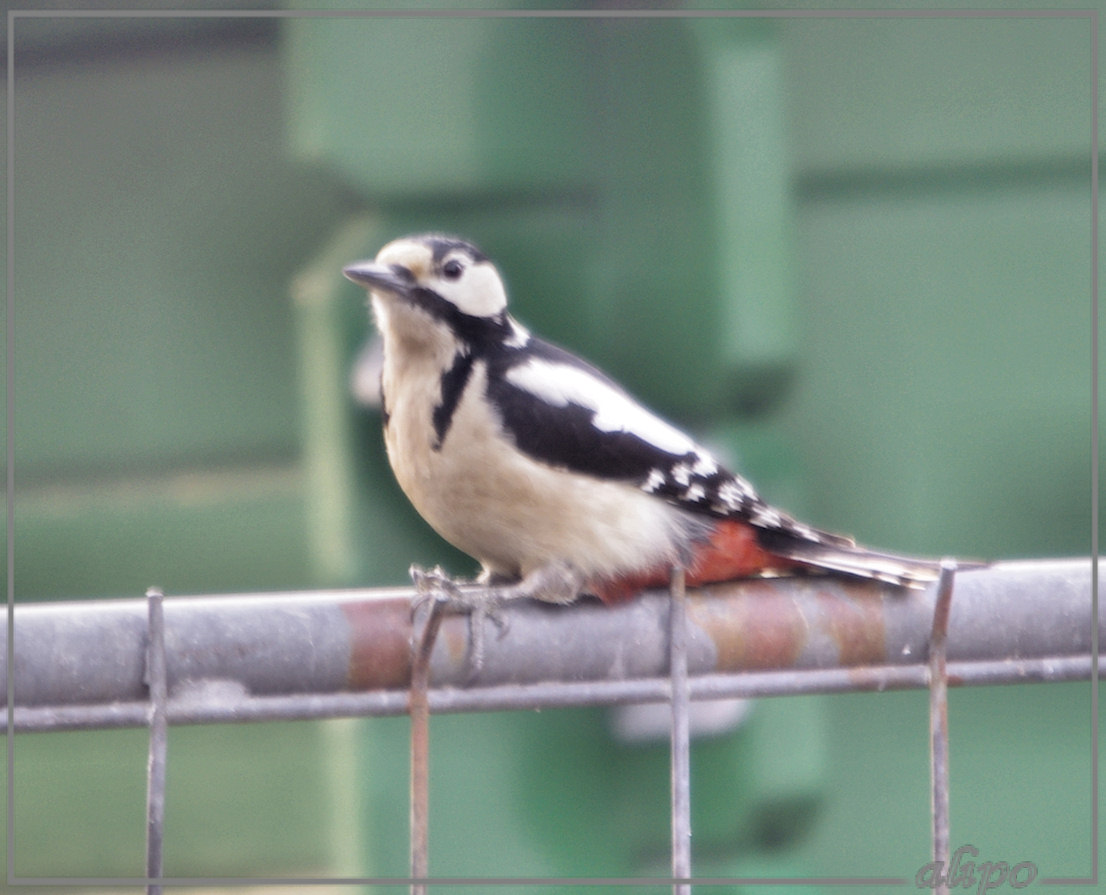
728	619
856	623
380	644
765	625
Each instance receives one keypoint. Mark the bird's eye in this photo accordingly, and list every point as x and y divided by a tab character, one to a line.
452	270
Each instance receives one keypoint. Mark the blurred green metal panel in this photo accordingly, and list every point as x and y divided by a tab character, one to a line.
948	355
1020	765
325	322
654	266
548	794
151	317
693	263
944	398
56	774
241	529
79	803
907	93
748	161
431	108
157	223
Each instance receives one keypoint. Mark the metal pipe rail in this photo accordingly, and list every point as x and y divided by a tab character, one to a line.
325	654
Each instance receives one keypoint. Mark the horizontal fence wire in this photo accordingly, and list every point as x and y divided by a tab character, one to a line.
345	653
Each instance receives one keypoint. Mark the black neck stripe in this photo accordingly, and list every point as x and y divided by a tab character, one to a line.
468	327
453	386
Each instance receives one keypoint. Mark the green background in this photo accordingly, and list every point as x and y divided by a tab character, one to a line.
853	254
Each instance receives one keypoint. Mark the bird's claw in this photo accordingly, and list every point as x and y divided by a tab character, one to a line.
435	587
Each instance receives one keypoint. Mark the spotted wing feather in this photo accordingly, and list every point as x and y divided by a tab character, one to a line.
564	412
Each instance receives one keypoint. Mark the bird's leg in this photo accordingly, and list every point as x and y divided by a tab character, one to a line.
555	582
434	585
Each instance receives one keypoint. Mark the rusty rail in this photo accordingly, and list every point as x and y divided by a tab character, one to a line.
343	653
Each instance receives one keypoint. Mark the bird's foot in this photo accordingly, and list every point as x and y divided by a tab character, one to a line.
555	582
480	604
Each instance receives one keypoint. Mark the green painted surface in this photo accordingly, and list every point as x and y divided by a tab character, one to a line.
867	277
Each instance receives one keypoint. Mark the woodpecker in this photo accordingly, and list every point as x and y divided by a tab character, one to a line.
546	471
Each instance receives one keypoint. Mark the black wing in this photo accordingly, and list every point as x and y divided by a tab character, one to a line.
566	413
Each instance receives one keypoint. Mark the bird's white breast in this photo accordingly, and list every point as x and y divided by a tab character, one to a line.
512	512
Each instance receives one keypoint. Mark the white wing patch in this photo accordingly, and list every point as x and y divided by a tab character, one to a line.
561	384
688	477
654	480
734	493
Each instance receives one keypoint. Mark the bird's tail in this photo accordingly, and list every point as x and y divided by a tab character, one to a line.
845	557
737	549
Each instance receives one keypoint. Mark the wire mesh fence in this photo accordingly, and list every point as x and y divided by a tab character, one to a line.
325	654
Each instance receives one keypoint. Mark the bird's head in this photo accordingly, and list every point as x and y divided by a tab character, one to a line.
443	277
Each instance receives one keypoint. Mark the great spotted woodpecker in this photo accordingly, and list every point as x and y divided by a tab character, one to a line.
546	471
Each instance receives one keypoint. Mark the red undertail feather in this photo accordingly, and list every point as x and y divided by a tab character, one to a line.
736	551
733	551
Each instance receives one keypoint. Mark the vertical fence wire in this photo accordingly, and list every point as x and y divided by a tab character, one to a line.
419	710
159	741
681	735
939	722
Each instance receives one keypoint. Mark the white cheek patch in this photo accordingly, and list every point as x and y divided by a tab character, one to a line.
560	385
479	293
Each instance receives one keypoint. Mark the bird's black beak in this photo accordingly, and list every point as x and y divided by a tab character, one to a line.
392	278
